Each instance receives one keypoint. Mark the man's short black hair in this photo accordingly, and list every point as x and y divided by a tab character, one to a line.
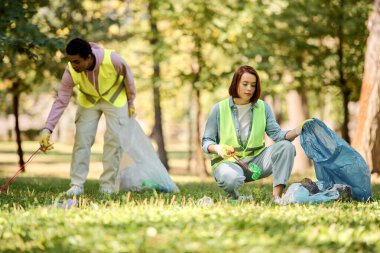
79	46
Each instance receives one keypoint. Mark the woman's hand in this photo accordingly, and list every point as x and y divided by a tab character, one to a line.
300	126
292	134
224	151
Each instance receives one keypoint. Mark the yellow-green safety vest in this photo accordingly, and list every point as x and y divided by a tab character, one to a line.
227	133
110	85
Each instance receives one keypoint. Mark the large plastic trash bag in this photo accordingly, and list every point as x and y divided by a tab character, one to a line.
140	167
335	161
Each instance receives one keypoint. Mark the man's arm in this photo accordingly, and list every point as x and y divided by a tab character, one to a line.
65	91
123	69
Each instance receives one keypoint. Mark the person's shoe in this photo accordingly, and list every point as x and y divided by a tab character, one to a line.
276	200
234	195
106	190
75	190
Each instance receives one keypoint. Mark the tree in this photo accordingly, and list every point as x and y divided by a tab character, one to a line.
367	133
156	42
323	49
32	32
204	39
21	41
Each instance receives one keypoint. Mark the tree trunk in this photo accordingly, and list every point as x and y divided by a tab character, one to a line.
367	133
20	152
190	132
200	159
304	101
296	116
197	65
303	90
342	80
158	134
346	115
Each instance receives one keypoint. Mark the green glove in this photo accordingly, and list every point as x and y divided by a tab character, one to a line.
256	171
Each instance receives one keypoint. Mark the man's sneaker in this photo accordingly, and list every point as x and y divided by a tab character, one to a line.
106	190
74	190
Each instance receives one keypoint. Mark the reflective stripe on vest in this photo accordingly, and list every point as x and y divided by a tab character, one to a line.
110	85
255	143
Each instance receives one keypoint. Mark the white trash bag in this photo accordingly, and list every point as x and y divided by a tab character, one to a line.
140	167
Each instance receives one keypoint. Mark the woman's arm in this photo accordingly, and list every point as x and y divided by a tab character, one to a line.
272	129
291	135
211	133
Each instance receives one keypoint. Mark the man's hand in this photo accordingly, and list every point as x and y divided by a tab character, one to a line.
45	143
131	111
300	126
224	151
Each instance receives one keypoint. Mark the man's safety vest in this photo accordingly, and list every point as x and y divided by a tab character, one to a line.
110	85
255	144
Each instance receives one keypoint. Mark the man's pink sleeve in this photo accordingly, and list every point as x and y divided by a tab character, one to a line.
122	68
65	91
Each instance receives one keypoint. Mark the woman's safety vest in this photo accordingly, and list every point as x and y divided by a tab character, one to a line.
255	144
110	85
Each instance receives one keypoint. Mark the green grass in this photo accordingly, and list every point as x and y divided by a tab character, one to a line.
151	222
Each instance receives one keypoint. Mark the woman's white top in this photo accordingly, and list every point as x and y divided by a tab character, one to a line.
244	114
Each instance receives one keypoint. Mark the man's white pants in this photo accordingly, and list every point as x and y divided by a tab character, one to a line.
86	122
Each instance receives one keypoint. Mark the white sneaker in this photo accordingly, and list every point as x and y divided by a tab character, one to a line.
277	200
106	190
234	195
75	190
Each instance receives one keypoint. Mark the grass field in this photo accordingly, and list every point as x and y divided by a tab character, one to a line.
30	220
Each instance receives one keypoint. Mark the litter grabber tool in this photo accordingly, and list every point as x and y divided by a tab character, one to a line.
253	168
5	186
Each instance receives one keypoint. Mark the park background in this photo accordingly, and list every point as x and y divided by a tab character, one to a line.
310	57
315	59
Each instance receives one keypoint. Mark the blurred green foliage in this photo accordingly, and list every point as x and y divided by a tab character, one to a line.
315	47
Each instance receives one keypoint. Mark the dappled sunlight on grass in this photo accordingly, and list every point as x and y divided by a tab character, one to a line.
36	215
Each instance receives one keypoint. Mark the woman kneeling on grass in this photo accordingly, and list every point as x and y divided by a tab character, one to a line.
236	127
